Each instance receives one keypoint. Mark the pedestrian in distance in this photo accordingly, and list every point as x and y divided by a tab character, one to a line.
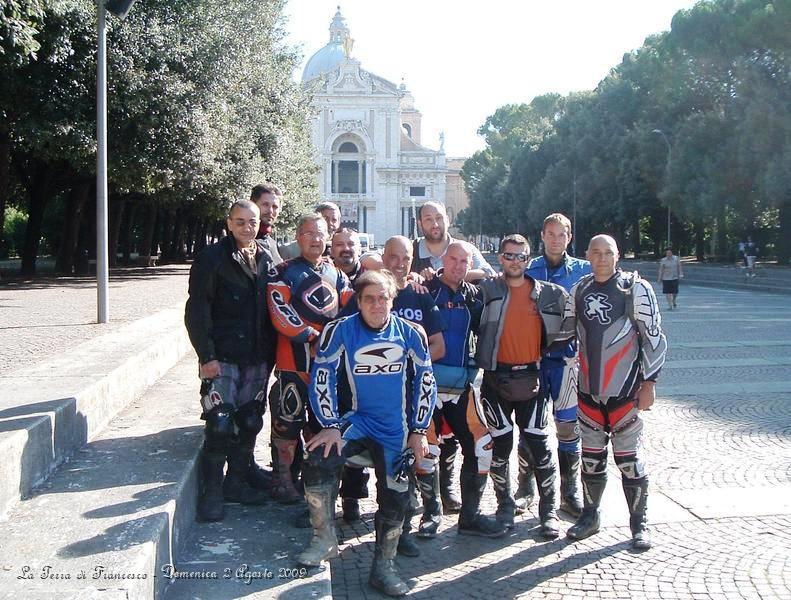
750	256
670	272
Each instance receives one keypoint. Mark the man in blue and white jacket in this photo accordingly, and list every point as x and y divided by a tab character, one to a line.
558	371
382	356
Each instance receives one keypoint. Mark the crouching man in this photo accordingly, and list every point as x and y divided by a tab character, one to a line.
386	361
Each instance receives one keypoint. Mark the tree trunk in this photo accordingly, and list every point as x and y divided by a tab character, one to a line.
636	237
5	177
40	191
149	229
165	234
784	235
117	206
75	205
127	230
200	242
176	252
700	241
86	237
722	239
189	238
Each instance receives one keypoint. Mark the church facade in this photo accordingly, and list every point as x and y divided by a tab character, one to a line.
366	134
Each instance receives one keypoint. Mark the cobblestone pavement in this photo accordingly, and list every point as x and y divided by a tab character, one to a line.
720	467
47	316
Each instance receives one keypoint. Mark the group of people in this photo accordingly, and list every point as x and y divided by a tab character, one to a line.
395	361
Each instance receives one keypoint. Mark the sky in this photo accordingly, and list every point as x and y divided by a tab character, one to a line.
461	60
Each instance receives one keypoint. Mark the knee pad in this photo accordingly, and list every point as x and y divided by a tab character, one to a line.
502	447
538	446
220	424
354	482
248	418
567	431
320	470
430	461
483	455
290	405
631	467
594	462
393	504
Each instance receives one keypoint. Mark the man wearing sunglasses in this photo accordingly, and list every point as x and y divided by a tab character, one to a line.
521	316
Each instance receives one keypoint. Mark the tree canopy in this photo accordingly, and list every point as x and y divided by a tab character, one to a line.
201	106
715	88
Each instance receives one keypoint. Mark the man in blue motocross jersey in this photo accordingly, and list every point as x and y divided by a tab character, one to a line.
459	404
558	371
417	308
385	425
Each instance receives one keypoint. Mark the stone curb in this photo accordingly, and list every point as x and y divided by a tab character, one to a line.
53	408
116	514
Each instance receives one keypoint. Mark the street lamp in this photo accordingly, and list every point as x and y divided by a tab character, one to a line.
119	8
667	177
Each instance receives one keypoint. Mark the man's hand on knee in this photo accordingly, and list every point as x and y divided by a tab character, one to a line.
210	370
329	438
419	445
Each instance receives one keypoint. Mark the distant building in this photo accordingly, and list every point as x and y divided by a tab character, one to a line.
456	198
366	133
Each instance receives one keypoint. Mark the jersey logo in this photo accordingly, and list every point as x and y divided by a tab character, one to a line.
284	308
415	315
427	386
321	298
379	359
323	396
597	307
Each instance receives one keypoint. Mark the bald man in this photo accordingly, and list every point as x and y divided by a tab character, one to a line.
615	318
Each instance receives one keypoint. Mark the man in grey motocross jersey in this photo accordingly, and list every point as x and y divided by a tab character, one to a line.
615	318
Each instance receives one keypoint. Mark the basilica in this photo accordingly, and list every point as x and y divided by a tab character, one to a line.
366	135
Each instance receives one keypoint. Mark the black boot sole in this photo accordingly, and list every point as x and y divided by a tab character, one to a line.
477	533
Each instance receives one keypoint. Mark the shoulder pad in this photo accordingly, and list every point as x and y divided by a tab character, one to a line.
627	280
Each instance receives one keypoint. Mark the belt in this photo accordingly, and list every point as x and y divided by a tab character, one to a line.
506	368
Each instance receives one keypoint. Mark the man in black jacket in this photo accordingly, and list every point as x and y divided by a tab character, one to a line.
229	327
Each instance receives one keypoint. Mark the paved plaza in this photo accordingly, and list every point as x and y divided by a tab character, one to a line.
47	317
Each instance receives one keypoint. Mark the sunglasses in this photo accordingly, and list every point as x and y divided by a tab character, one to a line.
521	257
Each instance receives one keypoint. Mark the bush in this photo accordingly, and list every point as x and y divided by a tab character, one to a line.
13	232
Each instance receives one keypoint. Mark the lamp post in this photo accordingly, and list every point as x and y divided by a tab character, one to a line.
102	258
667	176
120	8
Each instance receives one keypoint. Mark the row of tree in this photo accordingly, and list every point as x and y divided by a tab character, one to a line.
697	120
201	106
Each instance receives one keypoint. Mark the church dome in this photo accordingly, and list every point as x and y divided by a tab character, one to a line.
331	55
